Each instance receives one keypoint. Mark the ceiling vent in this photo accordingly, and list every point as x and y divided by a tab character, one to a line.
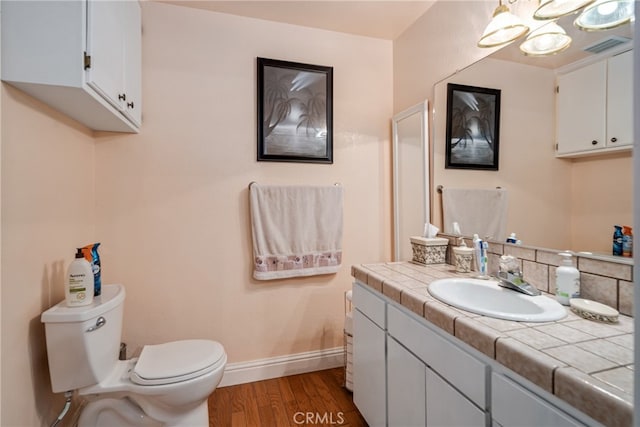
605	44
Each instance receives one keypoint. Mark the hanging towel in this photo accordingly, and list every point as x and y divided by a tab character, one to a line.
296	230
476	211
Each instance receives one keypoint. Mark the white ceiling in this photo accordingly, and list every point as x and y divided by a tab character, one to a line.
380	19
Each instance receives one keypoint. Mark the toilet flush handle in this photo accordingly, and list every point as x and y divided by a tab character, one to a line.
99	324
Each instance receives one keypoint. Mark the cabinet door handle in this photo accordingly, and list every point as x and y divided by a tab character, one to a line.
614	139
594	142
122	96
130	104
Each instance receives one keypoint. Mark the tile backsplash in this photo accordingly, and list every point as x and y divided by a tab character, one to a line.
607	280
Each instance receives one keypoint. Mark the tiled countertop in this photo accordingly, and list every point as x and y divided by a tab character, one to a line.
585	363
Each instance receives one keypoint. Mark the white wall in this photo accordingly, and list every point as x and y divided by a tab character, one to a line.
636	218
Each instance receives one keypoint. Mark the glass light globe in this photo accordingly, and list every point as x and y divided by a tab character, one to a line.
503	28
553	9
605	14
546	40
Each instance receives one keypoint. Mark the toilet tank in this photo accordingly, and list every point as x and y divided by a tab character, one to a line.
83	343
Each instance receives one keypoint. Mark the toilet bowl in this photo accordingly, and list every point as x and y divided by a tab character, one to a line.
167	385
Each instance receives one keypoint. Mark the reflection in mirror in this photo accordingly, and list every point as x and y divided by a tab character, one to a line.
410	177
553	202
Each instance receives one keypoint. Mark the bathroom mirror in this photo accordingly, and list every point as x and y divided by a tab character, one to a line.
411	181
554	203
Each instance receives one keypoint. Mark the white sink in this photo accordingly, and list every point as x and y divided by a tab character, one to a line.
488	298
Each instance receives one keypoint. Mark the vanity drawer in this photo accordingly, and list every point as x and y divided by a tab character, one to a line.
369	304
462	370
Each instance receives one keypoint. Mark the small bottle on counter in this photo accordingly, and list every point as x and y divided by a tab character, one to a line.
567	280
627	241
617	240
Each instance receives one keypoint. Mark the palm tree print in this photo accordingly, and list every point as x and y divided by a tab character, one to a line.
472	127
295	112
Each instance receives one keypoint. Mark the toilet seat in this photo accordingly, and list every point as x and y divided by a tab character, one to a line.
176	361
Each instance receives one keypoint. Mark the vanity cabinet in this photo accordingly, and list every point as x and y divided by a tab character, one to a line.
369	356
408	372
81	57
594	108
452	377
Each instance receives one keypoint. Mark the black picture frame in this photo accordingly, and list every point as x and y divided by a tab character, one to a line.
295	112
473	127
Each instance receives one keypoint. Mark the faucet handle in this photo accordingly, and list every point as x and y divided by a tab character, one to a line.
510	264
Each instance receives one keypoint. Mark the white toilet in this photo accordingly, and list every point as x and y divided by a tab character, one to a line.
168	385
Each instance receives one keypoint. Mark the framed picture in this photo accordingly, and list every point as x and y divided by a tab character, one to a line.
295	112
473	127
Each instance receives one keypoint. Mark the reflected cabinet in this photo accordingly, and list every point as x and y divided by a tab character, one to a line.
594	108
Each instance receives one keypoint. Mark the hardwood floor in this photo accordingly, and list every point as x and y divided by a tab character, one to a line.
316	398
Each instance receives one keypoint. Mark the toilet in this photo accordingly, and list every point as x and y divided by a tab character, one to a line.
167	385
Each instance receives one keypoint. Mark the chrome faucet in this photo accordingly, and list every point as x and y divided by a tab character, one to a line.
513	280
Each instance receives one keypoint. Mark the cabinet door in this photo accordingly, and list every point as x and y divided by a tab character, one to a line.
369	385
581	107
406	387
105	45
514	405
620	100
447	407
133	62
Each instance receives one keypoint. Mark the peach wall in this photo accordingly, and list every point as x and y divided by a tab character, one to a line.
170	205
47	211
602	189
442	42
537	183
172	202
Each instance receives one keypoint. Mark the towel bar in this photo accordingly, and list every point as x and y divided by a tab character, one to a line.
336	184
439	188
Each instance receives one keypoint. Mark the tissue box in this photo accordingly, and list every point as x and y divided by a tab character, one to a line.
432	250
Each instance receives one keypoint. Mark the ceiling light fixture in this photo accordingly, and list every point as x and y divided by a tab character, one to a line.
504	27
553	9
546	40
605	14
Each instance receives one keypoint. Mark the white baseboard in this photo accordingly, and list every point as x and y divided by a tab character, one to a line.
281	366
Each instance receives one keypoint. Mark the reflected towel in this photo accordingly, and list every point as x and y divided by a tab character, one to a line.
476	211
296	230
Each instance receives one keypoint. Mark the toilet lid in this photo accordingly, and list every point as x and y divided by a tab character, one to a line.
176	361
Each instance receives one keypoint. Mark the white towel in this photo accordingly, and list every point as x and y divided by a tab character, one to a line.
476	211
296	230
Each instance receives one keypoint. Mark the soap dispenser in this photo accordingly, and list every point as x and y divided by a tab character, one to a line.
463	256
78	290
567	280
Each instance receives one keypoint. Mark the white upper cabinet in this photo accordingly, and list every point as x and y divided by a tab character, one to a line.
594	108
82	57
620	100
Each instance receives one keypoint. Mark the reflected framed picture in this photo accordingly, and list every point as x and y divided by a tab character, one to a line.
473	127
295	112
